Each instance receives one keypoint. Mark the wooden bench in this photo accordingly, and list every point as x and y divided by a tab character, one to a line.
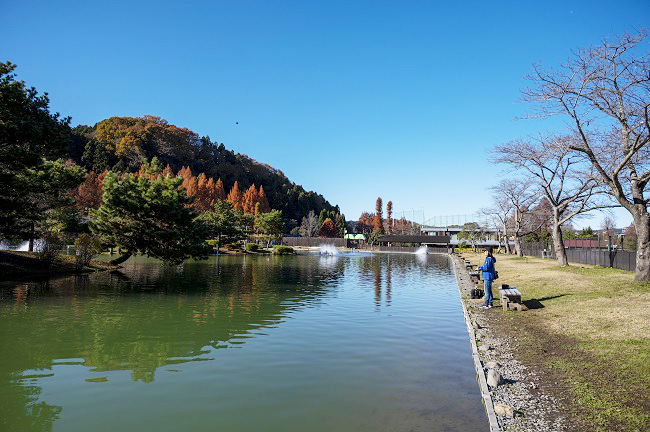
474	276
510	298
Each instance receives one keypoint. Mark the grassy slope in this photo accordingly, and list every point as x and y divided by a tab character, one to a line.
588	327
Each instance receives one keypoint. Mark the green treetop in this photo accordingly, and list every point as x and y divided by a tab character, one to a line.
29	136
223	223
150	215
269	225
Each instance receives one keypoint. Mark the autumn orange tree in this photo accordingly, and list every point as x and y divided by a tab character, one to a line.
389	217
204	189
328	229
219	191
235	198
365	223
254	201
378	221
89	193
249	200
263	201
404	227
129	139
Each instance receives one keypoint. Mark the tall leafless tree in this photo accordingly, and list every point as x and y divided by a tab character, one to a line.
522	197
608	229
309	225
559	172
500	213
604	90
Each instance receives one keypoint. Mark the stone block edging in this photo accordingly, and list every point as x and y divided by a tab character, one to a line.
485	391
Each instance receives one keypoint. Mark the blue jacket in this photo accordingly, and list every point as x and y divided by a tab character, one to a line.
488	268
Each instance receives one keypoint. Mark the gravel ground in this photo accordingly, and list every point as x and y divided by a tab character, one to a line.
522	389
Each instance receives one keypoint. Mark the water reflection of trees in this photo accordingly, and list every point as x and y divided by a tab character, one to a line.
149	316
379	271
143	318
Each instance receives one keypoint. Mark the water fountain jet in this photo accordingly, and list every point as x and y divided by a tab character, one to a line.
328	249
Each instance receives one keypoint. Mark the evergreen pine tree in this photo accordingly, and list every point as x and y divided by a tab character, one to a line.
151	216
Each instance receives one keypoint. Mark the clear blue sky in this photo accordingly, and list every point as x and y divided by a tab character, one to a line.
352	99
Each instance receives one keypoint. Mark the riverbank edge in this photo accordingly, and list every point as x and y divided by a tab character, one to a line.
462	278
21	265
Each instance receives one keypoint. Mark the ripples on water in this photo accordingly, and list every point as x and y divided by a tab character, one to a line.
254	343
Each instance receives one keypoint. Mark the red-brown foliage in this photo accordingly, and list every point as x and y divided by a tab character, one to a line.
89	194
364	224
328	229
378	221
235	198
389	217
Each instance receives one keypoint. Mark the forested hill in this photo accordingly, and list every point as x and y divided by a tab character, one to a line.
124	143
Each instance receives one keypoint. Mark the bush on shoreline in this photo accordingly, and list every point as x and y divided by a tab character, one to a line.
283	250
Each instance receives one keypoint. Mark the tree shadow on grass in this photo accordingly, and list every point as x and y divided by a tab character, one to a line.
537	303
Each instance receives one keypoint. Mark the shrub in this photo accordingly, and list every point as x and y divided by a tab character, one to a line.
86	247
283	250
251	247
50	246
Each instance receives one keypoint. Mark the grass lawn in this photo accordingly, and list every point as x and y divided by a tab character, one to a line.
588	329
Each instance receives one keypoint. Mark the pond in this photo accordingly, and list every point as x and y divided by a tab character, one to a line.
355	342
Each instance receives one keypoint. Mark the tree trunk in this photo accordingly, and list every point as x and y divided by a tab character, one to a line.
31	239
642	225
507	241
558	243
499	240
518	250
121	259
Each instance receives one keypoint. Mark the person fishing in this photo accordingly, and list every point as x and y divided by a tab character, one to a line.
488	276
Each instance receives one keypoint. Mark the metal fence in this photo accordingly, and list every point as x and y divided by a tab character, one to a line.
313	241
407	249
614	258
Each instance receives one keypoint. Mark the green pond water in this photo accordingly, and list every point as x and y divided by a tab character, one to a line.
354	342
